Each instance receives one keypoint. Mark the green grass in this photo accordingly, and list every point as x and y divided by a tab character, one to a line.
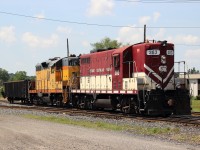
107	126
165	132
196	105
1	97
96	125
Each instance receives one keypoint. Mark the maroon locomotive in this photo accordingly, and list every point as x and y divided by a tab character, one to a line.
136	79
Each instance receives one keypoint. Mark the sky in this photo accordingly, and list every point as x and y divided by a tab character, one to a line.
32	31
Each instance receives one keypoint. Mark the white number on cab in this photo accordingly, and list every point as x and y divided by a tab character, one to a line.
153	52
170	52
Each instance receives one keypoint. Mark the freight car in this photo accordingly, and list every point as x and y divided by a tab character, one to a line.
136	79
18	90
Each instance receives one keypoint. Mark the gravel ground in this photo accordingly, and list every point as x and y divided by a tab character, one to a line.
34	134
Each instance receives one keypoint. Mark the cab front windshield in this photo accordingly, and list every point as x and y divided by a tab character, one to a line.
73	62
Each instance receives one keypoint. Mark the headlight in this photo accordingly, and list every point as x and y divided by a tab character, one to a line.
158	86
178	85
170	102
163	59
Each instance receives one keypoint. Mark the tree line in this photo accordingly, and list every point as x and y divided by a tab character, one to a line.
19	75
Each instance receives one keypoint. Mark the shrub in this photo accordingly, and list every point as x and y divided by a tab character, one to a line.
198	97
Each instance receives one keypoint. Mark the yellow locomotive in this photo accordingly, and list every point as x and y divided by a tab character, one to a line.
54	80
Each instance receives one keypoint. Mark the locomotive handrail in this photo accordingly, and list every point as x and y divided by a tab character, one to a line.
179	72
145	85
149	75
136	68
134	63
138	97
129	72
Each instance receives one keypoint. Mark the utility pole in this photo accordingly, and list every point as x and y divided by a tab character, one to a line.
67	48
144	33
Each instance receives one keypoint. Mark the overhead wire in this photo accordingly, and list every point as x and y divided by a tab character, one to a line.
160	1
101	25
188	45
65	21
95	24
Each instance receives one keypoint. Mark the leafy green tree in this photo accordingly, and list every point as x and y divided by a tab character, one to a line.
19	75
11	76
106	43
31	77
193	71
4	76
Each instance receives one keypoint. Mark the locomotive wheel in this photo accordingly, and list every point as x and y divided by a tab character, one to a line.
126	109
75	101
23	101
90	103
51	102
125	106
85	103
9	100
128	106
35	101
59	103
31	101
81	103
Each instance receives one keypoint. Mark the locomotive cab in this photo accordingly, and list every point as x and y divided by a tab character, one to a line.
159	94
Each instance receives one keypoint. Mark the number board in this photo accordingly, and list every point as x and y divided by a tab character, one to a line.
153	52
170	52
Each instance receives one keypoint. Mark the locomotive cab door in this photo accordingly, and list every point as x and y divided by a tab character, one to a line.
116	81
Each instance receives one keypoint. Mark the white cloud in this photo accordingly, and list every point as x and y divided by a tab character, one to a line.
156	16
64	30
190	39
185	39
134	35
86	44
30	39
192	58
100	7
7	34
36	41
40	16
144	19
130	35
160	34
194	54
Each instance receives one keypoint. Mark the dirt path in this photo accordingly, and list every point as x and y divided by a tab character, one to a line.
26	134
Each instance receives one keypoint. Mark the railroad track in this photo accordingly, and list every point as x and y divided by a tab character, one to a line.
193	119
68	111
195	113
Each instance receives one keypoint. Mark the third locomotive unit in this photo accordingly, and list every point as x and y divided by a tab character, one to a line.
136	79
